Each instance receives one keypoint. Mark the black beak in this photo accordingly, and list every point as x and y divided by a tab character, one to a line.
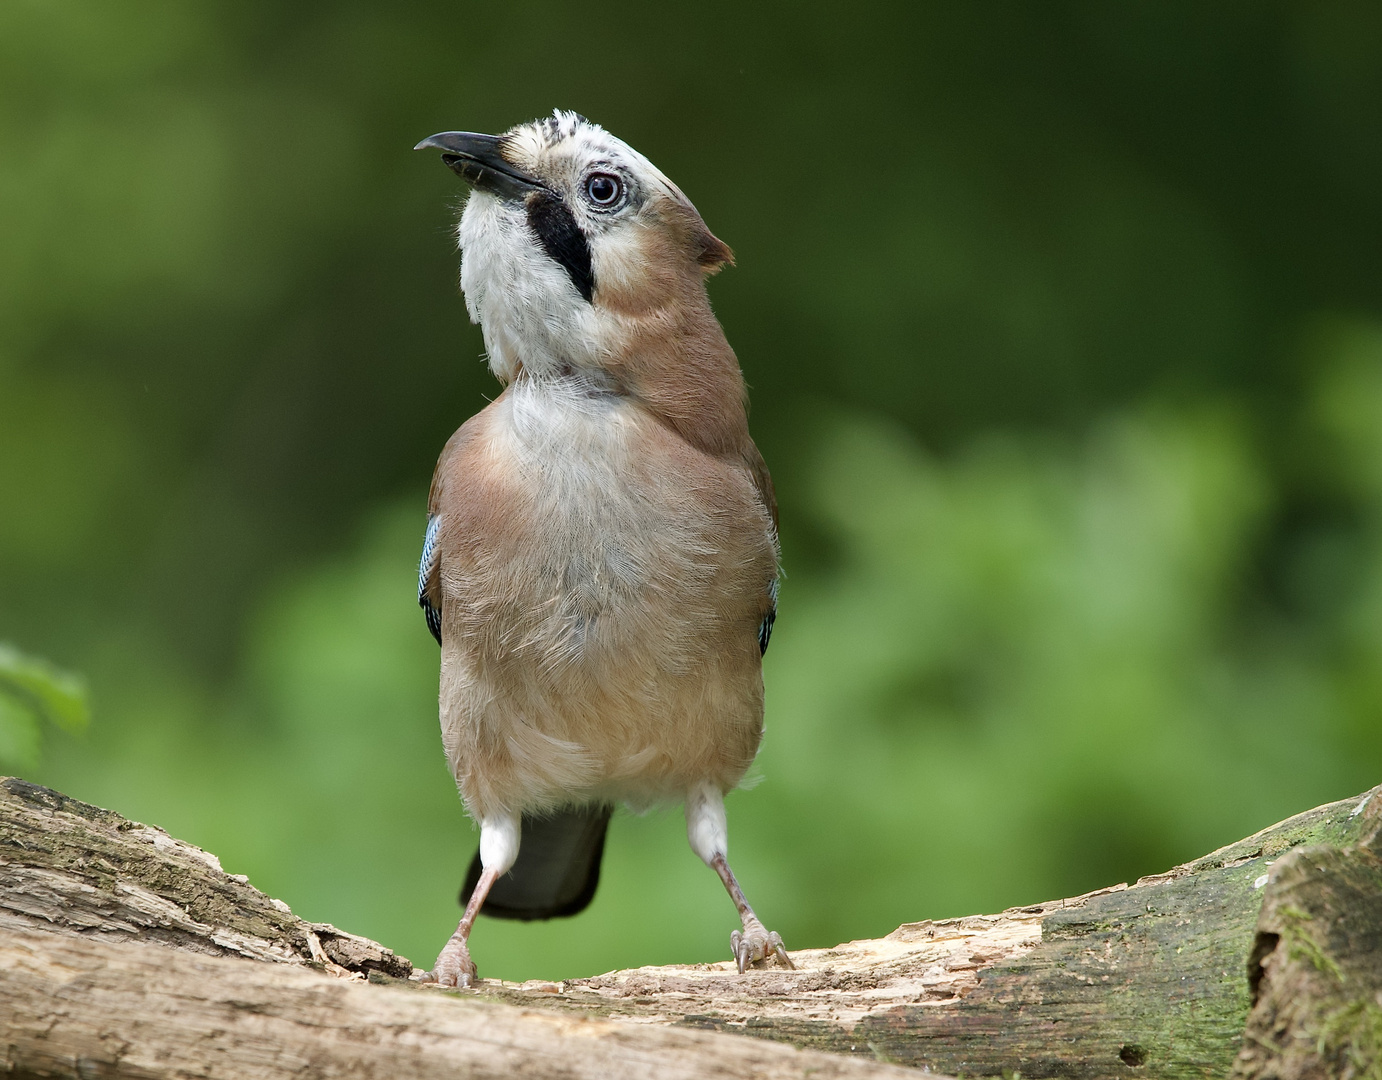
477	160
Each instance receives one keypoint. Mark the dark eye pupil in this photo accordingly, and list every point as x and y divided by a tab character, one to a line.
603	189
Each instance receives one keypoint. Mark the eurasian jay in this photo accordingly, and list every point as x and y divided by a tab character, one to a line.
601	562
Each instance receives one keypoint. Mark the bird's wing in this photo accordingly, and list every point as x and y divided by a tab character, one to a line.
765	628
763	482
428	582
429	591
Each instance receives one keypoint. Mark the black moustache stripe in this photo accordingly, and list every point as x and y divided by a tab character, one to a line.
562	239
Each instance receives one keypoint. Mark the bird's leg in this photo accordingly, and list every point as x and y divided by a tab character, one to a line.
499	837
756	942
454	966
708	833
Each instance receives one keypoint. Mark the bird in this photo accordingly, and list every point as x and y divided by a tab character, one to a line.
601	561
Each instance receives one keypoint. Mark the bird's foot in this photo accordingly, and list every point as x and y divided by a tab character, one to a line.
756	943
454	966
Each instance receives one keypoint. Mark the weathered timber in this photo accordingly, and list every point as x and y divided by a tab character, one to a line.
1316	967
1142	980
127	953
74	1008
67	865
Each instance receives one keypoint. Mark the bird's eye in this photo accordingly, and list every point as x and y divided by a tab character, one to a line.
603	189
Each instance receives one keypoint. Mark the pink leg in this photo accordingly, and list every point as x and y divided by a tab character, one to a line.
454	965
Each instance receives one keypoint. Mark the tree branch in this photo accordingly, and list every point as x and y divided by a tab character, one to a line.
125	952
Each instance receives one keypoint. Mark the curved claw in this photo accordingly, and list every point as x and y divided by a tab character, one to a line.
742	950
757	944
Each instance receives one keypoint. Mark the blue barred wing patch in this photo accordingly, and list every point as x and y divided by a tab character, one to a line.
426	571
765	628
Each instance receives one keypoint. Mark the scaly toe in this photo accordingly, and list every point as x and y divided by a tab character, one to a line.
454	966
756	944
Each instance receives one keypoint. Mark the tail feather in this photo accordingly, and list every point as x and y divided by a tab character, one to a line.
558	867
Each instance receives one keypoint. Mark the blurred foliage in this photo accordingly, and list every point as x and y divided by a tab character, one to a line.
1062	326
32	693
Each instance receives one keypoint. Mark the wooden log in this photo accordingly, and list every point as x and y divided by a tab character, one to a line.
75	1007
1315	972
67	865
1149	979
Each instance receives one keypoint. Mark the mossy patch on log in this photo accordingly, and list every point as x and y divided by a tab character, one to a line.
1315	972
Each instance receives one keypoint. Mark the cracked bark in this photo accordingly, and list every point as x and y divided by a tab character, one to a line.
1315	971
125	952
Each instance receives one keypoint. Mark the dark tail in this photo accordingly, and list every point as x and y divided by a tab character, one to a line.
558	867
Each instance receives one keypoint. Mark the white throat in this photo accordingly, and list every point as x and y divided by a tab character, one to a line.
532	317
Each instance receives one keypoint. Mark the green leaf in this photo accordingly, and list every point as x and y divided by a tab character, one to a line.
32	692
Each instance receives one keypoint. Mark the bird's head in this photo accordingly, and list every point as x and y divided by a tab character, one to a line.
574	247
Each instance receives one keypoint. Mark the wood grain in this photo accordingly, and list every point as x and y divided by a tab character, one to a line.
82	1008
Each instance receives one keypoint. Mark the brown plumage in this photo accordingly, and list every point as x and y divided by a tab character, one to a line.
602	548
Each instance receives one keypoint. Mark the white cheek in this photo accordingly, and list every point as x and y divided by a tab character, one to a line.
531	314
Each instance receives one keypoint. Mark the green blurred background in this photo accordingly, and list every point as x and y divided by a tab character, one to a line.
1064	328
